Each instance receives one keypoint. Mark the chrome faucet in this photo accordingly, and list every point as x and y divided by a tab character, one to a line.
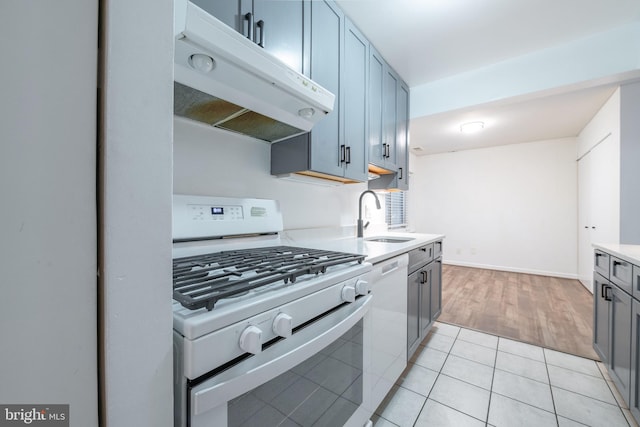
360	226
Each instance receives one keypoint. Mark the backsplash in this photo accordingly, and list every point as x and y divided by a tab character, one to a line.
208	161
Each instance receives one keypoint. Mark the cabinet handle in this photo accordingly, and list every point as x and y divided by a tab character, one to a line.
400	173
423	277
387	151
260	24
342	153
602	290
607	297
249	17
348	155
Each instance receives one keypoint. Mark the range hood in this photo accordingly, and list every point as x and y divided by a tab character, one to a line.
225	80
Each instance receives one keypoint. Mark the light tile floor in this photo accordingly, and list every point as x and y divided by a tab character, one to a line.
459	377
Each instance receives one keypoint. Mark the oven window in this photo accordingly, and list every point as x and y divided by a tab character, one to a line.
324	390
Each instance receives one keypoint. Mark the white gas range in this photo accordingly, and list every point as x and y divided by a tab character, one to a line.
265	334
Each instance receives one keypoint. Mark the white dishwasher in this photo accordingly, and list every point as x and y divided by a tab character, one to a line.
388	281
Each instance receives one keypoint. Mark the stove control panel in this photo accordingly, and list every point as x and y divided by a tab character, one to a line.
201	217
216	213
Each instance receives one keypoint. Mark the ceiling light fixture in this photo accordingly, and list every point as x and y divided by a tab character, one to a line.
471	127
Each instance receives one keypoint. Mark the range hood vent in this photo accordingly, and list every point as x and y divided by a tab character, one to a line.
225	80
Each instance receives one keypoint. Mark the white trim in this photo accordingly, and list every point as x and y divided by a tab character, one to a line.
512	269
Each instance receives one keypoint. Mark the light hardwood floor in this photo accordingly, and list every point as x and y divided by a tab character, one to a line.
546	311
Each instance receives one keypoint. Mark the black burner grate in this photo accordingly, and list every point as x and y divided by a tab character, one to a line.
200	281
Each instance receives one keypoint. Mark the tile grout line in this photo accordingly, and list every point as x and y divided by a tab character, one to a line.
440	373
437	376
493	376
553	400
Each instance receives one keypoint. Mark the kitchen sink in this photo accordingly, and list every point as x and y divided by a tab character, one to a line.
383	239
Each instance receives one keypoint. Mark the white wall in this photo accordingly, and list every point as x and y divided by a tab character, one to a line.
209	161
510	208
136	179
48	248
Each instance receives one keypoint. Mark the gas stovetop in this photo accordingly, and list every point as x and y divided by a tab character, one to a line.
200	281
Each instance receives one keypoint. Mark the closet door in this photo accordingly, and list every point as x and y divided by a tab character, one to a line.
598	202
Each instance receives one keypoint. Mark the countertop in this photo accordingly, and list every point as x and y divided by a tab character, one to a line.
629	253
344	240
340	239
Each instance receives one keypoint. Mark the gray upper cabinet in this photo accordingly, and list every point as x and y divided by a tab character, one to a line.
388	125
327	26
276	25
389	115
402	138
376	71
337	59
355	122
383	85
369	123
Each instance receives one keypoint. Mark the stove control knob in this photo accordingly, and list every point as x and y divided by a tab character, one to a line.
362	287
251	340
349	293
283	325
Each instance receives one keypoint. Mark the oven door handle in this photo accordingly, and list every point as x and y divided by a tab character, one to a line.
278	358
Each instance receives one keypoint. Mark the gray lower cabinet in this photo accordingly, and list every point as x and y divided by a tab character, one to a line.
277	26
414	285
634	400
436	290
615	322
601	317
619	340
424	295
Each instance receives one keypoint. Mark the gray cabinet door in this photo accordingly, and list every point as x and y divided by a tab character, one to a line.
436	289
601	317
325	61
413	312
355	103
402	138
275	25
389	117
376	71
634	398
425	300
620	340
279	29
228	12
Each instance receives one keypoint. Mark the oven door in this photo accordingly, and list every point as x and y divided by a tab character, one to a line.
319	376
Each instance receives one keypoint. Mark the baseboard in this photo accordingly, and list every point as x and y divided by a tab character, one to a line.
512	269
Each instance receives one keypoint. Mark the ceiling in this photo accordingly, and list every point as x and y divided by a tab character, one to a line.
427	40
